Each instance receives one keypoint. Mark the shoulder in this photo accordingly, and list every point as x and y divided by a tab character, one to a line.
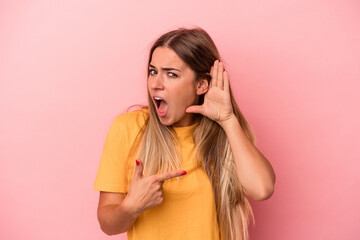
132	120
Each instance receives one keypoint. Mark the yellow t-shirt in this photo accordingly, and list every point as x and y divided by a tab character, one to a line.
188	209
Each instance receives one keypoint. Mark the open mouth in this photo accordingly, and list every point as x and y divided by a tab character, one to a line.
161	106
158	101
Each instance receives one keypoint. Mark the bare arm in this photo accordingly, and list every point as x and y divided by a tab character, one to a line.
254	171
114	215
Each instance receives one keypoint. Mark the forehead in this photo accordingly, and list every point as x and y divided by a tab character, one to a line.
166	57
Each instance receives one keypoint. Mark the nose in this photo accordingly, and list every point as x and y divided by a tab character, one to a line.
156	82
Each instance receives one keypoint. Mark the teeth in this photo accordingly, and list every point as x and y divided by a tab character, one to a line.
157	98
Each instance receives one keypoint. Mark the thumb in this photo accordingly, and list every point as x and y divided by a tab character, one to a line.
195	109
138	169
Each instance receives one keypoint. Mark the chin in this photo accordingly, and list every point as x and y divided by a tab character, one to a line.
165	122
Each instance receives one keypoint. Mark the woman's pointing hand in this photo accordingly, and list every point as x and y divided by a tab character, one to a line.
146	191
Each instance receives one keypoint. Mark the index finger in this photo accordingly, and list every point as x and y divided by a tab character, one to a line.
166	176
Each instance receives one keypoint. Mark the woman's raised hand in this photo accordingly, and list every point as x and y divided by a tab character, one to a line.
217	104
146	191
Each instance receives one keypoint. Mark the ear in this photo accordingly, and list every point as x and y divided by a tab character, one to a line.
202	86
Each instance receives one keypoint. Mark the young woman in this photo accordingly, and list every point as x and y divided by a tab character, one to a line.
181	167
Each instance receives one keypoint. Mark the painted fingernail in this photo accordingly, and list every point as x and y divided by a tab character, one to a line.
137	162
183	172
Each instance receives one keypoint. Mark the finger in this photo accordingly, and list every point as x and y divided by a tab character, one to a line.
211	72
226	82
220	82
138	169
195	109
168	175
214	73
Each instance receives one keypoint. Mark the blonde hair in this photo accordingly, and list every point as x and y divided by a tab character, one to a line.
213	152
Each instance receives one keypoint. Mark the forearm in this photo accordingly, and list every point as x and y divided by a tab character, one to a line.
254	171
116	218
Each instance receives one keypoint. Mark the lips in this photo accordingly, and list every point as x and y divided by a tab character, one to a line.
161	106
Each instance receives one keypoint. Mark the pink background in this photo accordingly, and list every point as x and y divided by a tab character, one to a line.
68	68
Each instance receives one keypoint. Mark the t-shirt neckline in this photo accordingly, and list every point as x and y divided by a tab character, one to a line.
182	131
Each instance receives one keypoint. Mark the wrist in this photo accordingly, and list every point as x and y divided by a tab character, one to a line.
228	122
128	206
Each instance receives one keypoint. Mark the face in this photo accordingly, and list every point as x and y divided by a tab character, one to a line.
172	87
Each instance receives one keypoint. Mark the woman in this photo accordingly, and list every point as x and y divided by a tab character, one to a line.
180	168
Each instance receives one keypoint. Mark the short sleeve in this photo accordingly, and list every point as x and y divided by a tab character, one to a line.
112	175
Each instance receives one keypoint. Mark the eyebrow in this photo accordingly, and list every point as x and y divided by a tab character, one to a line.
165	69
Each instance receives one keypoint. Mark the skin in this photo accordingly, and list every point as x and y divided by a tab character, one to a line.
118	211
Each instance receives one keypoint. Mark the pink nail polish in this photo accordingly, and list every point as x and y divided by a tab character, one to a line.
183	172
137	162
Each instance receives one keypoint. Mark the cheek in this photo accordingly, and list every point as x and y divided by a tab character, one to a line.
184	97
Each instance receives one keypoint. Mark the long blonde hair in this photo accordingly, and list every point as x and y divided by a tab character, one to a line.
213	152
